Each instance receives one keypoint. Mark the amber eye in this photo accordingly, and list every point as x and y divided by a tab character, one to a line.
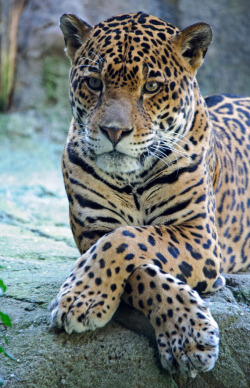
94	84
151	87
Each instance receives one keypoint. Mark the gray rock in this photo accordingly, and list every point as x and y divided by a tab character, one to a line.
37	251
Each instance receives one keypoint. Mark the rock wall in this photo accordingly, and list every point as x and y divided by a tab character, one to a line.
42	67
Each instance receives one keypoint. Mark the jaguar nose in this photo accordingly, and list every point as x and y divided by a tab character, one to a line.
115	134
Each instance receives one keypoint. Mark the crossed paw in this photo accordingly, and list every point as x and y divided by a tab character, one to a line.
187	335
189	345
83	303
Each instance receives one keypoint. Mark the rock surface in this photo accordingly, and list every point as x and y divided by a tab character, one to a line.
37	251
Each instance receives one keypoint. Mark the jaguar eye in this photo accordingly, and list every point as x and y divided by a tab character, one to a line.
151	86
94	84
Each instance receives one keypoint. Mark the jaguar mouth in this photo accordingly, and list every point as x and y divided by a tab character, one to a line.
115	162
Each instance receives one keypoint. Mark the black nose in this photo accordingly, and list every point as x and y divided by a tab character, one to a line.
115	134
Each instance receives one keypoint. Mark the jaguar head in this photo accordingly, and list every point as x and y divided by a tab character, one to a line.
131	87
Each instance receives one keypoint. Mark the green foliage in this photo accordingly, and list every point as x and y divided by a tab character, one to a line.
4	84
6	321
54	75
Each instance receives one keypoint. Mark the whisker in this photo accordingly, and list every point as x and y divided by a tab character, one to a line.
83	66
172	147
158	157
88	59
99	58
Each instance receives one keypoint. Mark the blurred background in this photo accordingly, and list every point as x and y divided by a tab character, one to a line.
36	245
34	67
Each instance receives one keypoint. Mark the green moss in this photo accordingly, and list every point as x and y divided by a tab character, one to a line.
4	83
55	76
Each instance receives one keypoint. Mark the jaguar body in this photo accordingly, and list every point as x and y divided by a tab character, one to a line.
157	182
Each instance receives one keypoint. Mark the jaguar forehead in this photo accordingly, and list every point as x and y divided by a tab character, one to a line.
135	35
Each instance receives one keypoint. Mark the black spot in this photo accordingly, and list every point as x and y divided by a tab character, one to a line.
151	240
157	262
121	248
170	313
141	304
91	275
201	316
173	251
129	256
109	272
172	86
140	288
158	297
210	273
179	298
202	198
201	286
182	278
165	286
128	289
128	234
81	264
196	255
175	96
98	281
158	321
102	263
161	257
167	71
149	301
210	262
186	269
143	247
169	300
151	272
79	282
192	322
80	318
113	287
130	268
136	59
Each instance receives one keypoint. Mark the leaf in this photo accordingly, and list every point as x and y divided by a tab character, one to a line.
5	319
5	339
7	354
2	285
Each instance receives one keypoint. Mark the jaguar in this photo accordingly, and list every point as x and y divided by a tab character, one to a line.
157	182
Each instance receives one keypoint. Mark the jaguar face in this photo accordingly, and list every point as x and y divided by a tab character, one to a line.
131	90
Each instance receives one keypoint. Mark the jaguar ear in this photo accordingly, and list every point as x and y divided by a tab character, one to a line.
193	42
75	32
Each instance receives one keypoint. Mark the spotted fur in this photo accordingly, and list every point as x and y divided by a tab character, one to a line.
157	182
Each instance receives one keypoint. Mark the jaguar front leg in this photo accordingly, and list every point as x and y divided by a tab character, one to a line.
186	333
90	296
